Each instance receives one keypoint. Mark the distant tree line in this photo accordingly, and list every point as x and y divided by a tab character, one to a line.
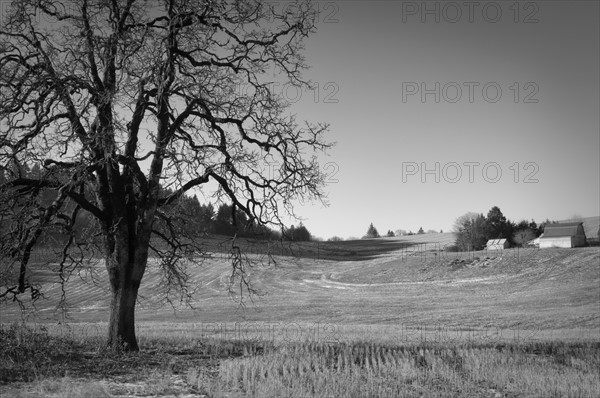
403	232
197	219
474	230
187	216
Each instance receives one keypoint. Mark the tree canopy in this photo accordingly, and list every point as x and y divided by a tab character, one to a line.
497	225
470	231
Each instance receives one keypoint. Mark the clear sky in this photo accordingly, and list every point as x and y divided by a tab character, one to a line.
499	103
440	108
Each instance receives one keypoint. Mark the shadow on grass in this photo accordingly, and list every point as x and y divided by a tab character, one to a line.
353	250
27	355
358	250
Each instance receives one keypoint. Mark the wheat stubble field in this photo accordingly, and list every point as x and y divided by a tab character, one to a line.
385	317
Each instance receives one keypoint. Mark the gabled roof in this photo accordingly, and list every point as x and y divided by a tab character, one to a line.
560	230
496	241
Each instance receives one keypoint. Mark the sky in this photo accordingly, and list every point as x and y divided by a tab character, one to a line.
441	108
493	105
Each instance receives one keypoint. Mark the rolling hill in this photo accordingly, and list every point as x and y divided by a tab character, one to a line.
363	288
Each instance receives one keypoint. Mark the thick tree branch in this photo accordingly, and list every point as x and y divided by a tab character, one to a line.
186	187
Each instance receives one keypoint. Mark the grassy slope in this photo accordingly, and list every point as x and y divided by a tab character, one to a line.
395	300
372	288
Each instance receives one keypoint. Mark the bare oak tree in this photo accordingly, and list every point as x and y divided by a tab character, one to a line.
127	105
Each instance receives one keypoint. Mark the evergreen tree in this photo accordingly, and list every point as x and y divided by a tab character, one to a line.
302	234
297	234
420	231
223	221
535	228
206	218
523	224
371	232
497	227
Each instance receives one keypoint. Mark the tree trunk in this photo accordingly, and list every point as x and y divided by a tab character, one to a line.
126	254
121	327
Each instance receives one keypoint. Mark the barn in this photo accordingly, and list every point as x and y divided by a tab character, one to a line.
497	244
568	234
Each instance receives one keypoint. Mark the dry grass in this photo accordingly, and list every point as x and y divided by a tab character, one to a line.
512	324
179	366
374	370
64	388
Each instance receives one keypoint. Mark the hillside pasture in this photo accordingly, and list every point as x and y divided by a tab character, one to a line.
384	317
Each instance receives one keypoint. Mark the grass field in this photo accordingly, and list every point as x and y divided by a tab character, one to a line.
385	317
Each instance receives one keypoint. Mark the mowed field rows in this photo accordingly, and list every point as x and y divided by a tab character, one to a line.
374	288
386	318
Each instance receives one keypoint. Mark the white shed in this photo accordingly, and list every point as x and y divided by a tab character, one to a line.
569	234
497	244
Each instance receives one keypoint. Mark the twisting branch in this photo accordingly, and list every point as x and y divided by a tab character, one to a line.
240	277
